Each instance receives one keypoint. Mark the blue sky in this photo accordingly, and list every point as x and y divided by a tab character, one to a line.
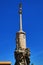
32	25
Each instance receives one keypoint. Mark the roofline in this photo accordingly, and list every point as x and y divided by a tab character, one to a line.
5	62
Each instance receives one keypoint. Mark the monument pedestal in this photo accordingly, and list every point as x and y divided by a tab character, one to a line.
22	56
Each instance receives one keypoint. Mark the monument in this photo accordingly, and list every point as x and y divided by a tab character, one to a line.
21	53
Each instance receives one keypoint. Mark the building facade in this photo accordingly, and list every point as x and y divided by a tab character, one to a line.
5	63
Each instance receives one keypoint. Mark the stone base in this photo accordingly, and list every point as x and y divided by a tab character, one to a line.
22	56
